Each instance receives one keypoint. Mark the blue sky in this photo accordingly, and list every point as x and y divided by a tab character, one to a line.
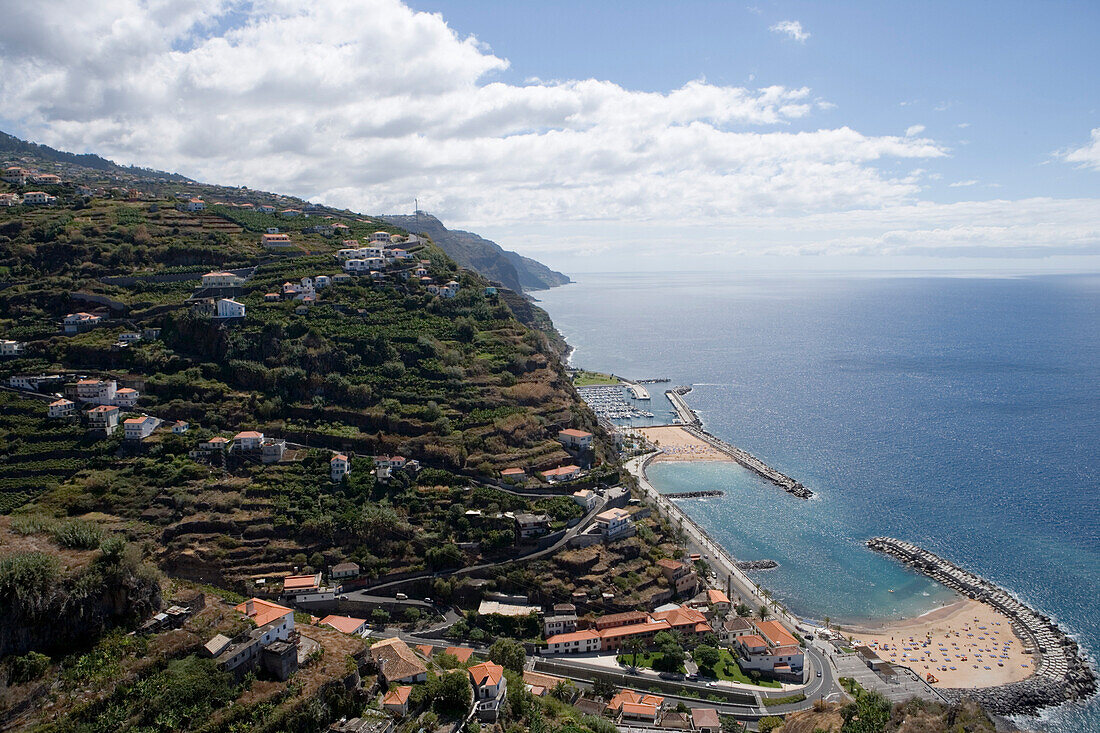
607	136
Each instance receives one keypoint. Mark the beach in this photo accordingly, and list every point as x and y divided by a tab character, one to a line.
677	444
964	644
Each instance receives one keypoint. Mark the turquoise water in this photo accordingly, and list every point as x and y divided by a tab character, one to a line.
960	414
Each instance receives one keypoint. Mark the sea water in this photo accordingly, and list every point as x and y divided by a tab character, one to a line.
962	414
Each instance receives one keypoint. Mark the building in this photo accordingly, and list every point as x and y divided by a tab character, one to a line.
140	428
577	440
15	174
681	577
195	205
562	621
394	462
772	649
339	466
216	443
9	199
11	348
380	237
631	705
275	241
344	570
272	450
97	391
690	622
62	408
296	585
531	525
38	198
736	627
267	645
396	700
626	618
397	662
705	720
228	308
587	499
79	322
103	417
490	687
126	397
513	474
461	653
561	473
248	440
614	638
345	624
615	523
180	427
574	642
221	280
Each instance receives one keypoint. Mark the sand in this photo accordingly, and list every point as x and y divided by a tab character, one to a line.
937	642
677	444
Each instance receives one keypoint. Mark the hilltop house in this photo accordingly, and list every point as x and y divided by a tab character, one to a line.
228	308
140	428
268	645
394	462
11	348
180	427
248	440
275	241
490	687
339	466
577	440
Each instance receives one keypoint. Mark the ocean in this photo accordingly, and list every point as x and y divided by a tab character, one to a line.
960	413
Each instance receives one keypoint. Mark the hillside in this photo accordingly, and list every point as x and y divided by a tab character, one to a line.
512	270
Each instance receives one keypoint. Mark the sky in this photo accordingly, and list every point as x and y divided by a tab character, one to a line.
604	136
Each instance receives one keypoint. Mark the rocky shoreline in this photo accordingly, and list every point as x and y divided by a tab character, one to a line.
1062	674
756	564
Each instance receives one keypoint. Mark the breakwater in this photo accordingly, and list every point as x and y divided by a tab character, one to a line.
694	425
693	494
757	564
1062	674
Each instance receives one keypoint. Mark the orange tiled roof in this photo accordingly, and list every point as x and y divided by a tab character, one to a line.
297	582
775	634
264	612
486	673
397	696
346	624
460	653
573	636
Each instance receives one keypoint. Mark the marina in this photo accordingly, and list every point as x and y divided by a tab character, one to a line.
609	401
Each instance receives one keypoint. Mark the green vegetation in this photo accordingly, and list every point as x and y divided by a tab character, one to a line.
727	668
769	723
508	653
582	378
772	702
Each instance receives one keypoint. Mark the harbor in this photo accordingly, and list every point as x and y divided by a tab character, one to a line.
1061	672
609	401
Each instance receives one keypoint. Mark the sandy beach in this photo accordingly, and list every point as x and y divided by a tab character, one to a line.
677	444
965	644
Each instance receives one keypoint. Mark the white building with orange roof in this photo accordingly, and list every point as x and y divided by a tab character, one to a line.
586	498
140	428
575	439
78	322
396	700
688	621
195	204
229	308
217	443
397	662
631	705
574	642
103	417
248	440
38	198
126	397
62	408
490	687
615	523
221	280
97	391
771	649
345	624
275	241
339	466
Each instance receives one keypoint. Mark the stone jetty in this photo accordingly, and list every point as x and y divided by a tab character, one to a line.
693	494
757	564
1062	674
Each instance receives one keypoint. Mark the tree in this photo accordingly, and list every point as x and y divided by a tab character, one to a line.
868	714
671	659
509	654
450	691
380	616
769	723
632	646
707	657
602	688
763	613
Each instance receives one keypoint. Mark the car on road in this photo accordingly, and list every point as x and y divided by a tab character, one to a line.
819	673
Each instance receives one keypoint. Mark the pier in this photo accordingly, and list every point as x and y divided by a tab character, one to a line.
694	425
637	391
693	494
1062	674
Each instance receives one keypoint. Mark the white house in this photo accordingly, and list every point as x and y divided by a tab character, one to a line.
221	280
180	427
490	687
139	428
103	417
62	408
322	281
126	397
274	241
614	522
9	199
587	498
575	439
38	198
228	308
77	322
380	237
217	443
97	391
195	205
248	440
344	570
449	290
129	337
339	467
576	642
272	450
11	348
389	461
15	174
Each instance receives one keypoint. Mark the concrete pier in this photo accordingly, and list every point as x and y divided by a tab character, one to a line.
1062	674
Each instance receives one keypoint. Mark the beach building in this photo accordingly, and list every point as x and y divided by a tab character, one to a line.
577	440
62	408
712	598
771	649
397	662
490	687
339	466
736	627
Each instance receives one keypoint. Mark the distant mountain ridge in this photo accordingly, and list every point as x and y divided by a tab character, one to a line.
11	145
510	269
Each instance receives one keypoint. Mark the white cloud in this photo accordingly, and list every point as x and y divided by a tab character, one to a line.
1086	156
792	29
367	103
960	184
914	130
963	125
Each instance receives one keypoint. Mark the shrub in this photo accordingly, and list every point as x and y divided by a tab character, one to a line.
78	535
28	667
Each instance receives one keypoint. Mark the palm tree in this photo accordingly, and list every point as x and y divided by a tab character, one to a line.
827	620
633	645
763	613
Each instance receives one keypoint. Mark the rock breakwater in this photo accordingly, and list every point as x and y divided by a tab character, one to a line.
1062	674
